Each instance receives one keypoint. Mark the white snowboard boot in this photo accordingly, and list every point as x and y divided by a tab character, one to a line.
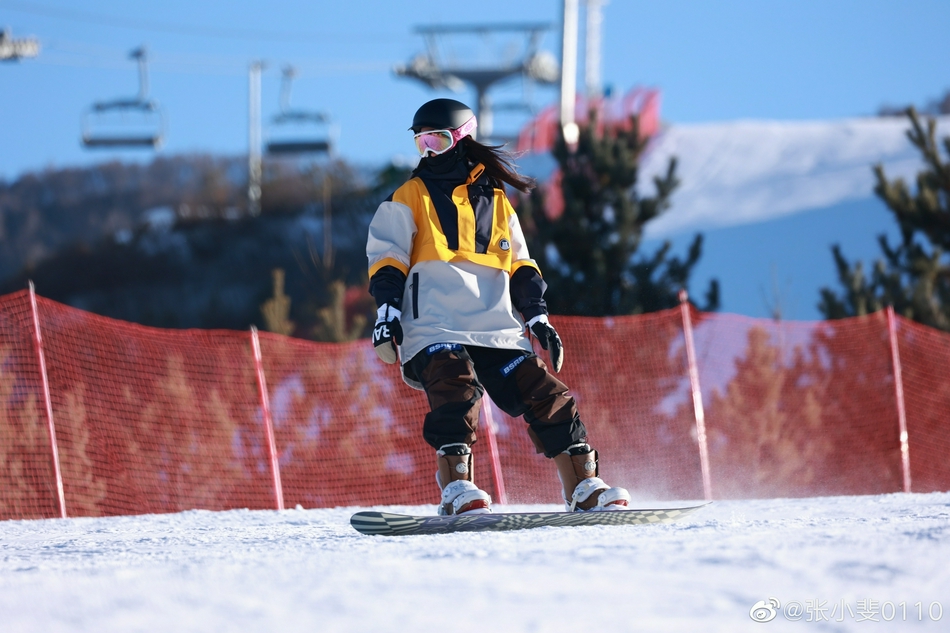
454	476
584	491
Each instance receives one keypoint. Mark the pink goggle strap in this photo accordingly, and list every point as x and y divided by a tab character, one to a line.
465	129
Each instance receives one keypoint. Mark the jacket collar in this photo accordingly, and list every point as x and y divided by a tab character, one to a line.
475	174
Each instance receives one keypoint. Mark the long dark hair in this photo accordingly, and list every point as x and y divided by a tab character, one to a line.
499	164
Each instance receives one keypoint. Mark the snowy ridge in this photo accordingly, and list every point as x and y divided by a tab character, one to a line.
742	172
308	571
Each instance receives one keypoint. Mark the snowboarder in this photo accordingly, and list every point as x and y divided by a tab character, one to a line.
455	289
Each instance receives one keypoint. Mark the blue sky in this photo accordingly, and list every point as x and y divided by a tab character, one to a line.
713	61
719	60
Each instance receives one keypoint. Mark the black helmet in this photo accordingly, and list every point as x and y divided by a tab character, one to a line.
442	114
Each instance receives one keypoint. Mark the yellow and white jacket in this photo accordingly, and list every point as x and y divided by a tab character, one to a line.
458	257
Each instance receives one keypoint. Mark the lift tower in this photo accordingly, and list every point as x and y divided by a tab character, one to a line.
439	70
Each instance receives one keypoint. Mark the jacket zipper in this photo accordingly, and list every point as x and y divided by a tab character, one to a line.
415	295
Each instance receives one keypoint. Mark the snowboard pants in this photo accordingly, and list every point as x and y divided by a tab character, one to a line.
455	377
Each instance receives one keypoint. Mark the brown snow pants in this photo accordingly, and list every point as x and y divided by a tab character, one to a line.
455	377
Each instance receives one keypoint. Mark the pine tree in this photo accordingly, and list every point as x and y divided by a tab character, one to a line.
276	310
913	276
766	426
589	253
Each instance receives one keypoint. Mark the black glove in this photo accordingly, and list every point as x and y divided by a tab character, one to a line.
387	333
549	340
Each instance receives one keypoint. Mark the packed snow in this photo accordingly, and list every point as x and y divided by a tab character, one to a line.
742	172
823	564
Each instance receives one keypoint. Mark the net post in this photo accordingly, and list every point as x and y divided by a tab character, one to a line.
899	395
698	411
38	341
268	420
493	450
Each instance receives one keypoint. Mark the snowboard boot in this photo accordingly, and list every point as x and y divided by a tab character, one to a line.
584	491
454	476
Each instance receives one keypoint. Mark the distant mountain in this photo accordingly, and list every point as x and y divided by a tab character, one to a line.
170	244
206	274
43	212
771	197
744	172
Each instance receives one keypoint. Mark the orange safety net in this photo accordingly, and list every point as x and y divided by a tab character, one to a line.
27	480
927	401
152	420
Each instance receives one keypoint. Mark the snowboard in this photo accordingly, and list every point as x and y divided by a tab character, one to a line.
387	524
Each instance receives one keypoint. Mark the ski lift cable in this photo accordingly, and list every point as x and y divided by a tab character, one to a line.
75	15
77	54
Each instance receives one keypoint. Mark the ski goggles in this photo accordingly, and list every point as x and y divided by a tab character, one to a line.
435	142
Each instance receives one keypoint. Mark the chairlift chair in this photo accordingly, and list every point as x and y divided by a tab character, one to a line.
126	123
294	132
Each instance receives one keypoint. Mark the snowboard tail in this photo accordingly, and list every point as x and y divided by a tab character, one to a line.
388	524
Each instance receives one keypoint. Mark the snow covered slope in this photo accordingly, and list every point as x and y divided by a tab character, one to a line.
741	172
772	197
308	571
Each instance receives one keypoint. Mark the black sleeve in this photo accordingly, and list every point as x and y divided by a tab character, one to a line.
387	286
527	292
